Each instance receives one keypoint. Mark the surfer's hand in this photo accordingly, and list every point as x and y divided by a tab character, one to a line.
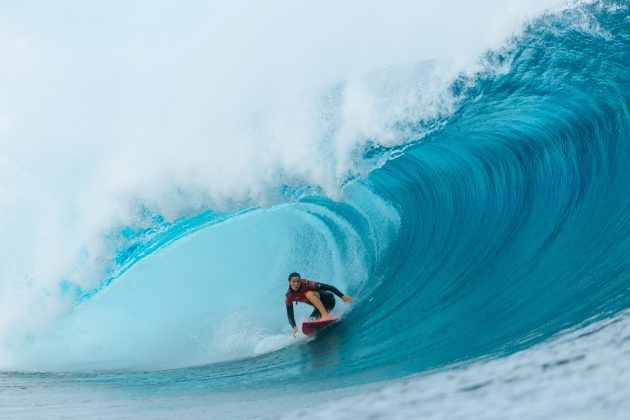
346	299
295	329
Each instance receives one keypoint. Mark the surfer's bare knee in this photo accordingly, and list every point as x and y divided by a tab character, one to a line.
310	295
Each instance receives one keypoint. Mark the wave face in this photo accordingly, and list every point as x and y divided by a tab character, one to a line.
505	223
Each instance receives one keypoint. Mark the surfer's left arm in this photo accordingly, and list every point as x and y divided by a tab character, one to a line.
333	289
291	317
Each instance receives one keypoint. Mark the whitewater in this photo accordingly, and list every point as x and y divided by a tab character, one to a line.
460	170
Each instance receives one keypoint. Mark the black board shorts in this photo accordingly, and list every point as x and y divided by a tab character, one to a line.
328	299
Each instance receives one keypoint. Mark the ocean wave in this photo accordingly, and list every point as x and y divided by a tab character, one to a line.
488	218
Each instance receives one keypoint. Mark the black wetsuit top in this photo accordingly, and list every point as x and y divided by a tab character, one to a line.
327	299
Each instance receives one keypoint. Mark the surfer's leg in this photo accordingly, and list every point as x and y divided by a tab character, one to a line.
313	297
328	299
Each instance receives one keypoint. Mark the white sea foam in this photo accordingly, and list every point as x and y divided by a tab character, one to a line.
273	343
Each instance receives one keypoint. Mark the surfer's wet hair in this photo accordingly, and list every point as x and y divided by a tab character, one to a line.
294	275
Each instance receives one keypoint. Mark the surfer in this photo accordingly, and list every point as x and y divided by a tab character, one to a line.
312	293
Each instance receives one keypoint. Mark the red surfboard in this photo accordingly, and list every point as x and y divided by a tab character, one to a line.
312	326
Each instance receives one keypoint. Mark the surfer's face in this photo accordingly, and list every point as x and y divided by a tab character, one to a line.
295	283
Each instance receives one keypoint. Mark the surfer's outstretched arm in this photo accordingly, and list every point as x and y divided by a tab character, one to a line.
333	289
291	317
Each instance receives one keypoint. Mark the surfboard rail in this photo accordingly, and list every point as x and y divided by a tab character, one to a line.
312	326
